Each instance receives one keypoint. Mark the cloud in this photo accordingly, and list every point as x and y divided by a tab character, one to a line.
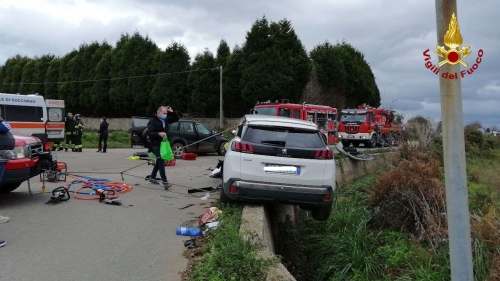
392	34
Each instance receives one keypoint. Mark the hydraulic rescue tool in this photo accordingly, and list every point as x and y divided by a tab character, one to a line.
108	197
59	194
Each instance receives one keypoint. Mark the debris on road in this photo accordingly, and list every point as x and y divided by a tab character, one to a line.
210	215
193	190
188	231
206	196
187	206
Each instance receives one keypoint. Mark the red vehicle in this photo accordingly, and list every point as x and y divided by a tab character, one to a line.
370	126
29	160
323	116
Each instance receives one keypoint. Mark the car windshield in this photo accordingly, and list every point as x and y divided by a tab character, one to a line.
140	122
284	137
266	110
353	118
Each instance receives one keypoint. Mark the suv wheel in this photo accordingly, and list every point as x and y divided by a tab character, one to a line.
323	213
221	151
178	149
6	188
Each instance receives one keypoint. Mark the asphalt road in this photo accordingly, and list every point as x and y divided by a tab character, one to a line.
88	240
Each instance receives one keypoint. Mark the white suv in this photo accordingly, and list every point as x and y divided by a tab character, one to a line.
279	159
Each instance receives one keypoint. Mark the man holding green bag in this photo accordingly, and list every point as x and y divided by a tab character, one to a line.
157	132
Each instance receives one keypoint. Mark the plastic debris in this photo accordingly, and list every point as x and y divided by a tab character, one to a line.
210	215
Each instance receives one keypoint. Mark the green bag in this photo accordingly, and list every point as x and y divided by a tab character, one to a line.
165	150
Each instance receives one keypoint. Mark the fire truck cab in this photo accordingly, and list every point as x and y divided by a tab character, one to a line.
323	116
370	126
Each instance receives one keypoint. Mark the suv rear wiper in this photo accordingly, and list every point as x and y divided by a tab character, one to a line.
276	143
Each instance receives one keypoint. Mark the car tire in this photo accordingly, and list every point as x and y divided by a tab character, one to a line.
6	188
178	150
221	150
145	137
322	213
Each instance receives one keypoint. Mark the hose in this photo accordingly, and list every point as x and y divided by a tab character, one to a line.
110	187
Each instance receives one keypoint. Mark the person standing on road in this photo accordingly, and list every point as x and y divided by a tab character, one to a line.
103	135
7	144
77	134
157	129
69	127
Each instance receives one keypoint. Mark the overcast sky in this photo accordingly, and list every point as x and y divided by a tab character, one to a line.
392	34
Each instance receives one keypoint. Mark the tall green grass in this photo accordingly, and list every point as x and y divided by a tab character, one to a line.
346	248
228	256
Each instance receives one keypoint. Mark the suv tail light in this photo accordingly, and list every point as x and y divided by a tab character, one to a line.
324	154
46	147
242	147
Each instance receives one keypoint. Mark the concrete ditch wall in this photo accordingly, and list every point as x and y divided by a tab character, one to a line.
256	222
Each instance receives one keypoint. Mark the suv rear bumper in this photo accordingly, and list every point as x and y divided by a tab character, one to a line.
267	192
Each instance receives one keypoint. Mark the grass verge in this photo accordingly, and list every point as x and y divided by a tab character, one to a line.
116	139
227	255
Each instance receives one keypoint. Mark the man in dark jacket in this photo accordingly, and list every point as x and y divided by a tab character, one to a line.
103	135
157	130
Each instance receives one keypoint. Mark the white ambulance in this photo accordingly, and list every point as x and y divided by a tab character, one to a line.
32	115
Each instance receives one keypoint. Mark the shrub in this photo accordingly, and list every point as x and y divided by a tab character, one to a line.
411	198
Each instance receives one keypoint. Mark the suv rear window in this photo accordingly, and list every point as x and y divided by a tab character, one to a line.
283	137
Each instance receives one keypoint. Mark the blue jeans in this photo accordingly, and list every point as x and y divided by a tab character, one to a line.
159	165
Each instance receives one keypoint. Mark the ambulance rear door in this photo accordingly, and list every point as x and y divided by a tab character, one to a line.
55	120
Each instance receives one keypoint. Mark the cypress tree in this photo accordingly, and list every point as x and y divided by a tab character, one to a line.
52	75
100	90
203	85
41	67
28	76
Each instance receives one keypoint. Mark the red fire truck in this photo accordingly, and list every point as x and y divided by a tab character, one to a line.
370	126
323	116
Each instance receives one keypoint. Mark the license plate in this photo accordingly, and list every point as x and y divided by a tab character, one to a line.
280	169
137	146
54	132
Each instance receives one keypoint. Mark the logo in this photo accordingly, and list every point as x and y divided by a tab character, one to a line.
453	40
283	151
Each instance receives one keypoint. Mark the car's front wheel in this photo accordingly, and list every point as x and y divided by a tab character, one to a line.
322	213
222	150
6	188
178	150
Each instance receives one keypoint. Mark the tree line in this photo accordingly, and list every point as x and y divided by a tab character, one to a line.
271	64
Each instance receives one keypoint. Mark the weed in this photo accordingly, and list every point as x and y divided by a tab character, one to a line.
228	256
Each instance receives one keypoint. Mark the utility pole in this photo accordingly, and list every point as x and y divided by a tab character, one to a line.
221	123
457	207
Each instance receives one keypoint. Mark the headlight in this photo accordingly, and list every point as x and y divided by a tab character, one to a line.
21	152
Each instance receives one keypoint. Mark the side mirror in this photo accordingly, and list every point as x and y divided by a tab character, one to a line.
234	132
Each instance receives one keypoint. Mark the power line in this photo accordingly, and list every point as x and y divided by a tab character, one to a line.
110	79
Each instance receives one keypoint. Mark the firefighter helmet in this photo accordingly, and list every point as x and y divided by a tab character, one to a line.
77	117
70	115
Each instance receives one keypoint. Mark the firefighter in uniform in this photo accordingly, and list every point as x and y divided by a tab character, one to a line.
77	134
69	127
